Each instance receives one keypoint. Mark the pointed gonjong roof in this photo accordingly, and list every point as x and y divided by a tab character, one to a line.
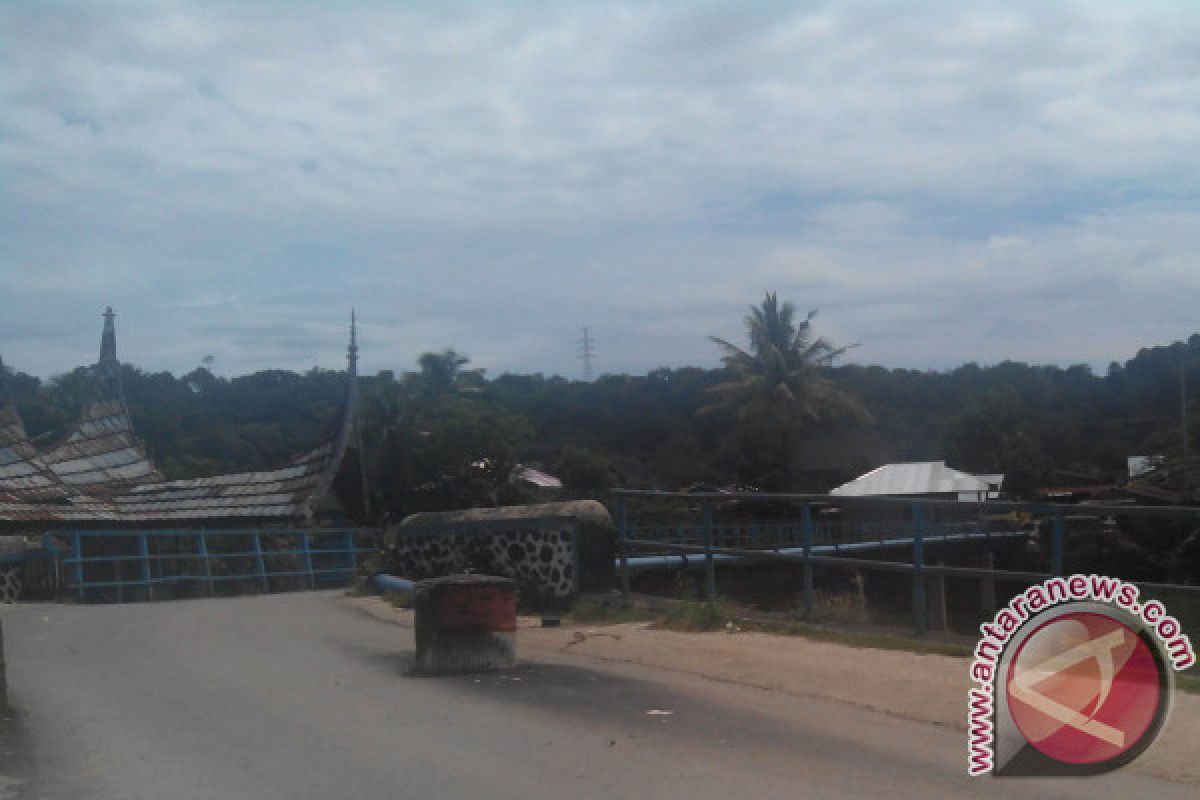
103	465
102	456
21	467
29	489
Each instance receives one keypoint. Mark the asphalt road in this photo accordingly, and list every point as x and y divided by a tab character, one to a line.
303	696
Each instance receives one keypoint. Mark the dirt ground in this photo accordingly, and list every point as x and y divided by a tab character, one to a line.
927	688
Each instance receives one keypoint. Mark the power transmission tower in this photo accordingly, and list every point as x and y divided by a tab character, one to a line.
587	352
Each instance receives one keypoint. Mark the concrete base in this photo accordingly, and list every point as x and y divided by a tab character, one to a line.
467	651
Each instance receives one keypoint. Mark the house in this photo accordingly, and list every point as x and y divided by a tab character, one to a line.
927	479
924	480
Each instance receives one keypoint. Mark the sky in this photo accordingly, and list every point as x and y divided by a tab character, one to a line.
946	182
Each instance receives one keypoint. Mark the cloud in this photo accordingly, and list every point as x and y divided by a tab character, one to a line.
947	183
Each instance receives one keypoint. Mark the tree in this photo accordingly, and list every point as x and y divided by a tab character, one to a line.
581	469
782	380
990	435
443	374
433	442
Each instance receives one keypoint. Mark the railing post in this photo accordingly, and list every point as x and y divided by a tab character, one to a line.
806	533
918	571
262	565
350	550
937	598
202	550
118	569
622	550
77	568
308	566
987	586
1056	545
710	571
144	555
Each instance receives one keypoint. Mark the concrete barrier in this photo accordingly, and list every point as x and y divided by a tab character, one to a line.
465	623
553	551
3	670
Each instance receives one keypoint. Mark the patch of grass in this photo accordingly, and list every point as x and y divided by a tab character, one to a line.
694	616
839	607
1188	683
361	587
600	611
398	599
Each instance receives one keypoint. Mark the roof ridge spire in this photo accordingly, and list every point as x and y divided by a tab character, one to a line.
348	427
108	339
352	350
7	398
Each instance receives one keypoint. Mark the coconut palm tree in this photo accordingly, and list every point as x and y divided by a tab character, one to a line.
782	379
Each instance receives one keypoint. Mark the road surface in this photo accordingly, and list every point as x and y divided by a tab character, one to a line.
305	696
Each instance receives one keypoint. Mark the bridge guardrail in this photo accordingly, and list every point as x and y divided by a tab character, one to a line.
143	565
805	541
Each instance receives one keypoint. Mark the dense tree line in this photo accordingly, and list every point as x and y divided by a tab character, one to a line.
777	414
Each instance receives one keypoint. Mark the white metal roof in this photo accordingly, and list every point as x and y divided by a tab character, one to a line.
924	477
1140	465
537	477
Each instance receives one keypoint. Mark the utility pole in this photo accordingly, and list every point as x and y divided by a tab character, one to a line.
1183	397
587	352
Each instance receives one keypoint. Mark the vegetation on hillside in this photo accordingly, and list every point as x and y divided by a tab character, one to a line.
777	414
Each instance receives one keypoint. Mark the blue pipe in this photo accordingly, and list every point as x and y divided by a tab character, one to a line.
392	583
682	561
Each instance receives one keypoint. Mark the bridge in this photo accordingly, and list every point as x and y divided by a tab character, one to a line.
916	526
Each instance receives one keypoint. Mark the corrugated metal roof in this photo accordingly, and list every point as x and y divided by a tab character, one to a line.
925	477
537	477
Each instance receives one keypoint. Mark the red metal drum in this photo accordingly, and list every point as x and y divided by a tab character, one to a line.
465	623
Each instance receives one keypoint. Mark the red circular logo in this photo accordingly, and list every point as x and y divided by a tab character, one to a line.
1084	688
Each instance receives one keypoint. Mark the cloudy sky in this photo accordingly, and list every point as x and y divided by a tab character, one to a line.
946	182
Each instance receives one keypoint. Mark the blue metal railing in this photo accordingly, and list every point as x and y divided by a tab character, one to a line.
116	566
808	541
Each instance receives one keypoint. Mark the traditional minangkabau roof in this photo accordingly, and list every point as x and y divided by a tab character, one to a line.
292	491
102	456
29	489
103	475
283	492
21	468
